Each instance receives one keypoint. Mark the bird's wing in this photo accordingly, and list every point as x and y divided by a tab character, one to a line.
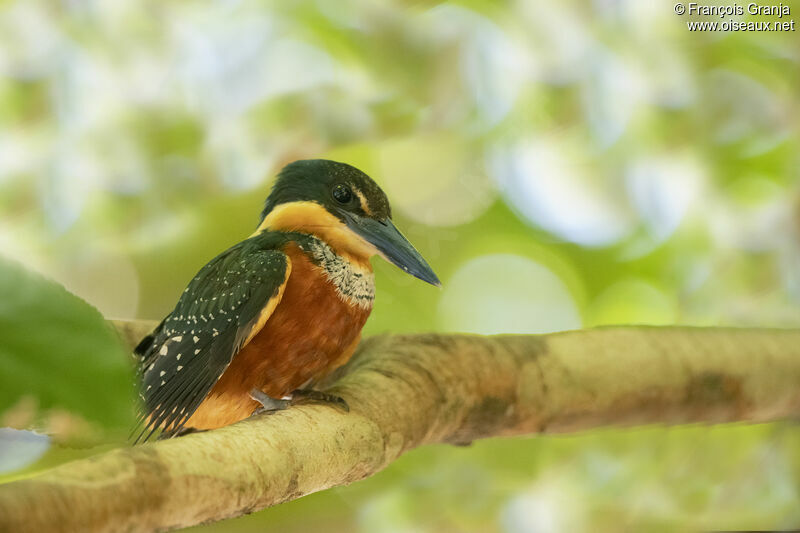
223	307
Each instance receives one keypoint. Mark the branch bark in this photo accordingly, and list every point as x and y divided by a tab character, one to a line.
406	391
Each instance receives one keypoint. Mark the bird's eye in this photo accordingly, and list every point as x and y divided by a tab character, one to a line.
342	194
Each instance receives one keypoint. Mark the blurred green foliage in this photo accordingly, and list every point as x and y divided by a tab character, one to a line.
560	164
58	355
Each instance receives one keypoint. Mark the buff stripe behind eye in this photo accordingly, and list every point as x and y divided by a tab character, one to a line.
363	200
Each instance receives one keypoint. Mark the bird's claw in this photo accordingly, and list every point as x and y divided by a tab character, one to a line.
268	404
306	396
299	397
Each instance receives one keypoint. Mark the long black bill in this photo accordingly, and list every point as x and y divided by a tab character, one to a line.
384	236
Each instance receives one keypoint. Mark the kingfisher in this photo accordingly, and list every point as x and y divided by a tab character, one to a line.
264	321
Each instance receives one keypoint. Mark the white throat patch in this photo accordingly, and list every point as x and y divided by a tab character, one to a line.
354	285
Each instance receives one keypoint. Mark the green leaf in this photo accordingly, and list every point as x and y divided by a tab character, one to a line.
59	350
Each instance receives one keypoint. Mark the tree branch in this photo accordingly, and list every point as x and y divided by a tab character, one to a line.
406	391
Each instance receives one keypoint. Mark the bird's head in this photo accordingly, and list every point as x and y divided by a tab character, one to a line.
345	208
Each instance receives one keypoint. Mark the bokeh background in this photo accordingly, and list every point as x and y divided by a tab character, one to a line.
560	164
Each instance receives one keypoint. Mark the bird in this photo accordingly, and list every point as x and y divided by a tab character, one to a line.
265	320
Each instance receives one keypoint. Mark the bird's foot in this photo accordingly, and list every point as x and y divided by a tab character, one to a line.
268	403
299	397
304	396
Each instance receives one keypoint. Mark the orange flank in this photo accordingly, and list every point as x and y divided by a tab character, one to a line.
311	331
